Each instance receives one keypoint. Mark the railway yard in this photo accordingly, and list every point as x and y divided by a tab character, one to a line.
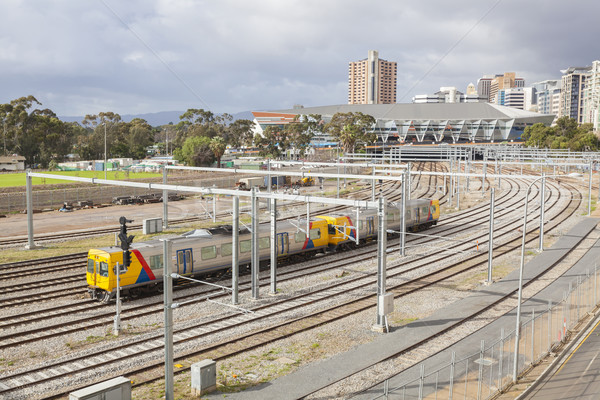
54	339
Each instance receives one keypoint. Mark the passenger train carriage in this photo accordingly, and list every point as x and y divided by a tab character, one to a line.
208	251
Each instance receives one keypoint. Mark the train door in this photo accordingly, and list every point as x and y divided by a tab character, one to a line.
283	243
185	261
370	225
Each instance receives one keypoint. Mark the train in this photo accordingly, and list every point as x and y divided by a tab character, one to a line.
206	252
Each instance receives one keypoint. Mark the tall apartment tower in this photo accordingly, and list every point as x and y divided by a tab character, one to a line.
591	96
508	80
483	86
547	96
372	81
571	96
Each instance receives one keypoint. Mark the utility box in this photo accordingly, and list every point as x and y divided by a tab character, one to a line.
386	304
152	225
114	389
204	377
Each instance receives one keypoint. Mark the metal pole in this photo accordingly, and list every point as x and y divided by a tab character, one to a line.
520	297
483	179
491	238
458	188
117	324
235	245
381	258
214	201
373	185
408	187
590	192
338	177
254	266
168	300
105	154
269	176
165	199
29	189
542	207
403	226
274	245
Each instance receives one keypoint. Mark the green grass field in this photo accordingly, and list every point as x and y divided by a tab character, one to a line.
18	179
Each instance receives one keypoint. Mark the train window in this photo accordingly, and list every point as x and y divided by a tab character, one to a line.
245	246
315	234
424	210
156	262
331	230
264	243
90	267
432	209
226	249
300	237
103	271
208	252
180	259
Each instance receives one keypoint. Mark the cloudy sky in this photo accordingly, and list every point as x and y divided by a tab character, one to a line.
140	56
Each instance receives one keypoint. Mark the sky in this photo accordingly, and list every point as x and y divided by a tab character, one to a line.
80	57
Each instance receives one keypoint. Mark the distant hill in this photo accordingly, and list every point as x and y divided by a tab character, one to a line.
159	118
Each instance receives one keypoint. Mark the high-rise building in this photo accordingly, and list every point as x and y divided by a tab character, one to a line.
547	96
372	81
507	80
471	89
483	86
571	95
591	96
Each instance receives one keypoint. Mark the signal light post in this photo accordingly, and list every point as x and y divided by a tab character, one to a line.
125	242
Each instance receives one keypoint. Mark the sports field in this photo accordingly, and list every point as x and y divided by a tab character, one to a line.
18	179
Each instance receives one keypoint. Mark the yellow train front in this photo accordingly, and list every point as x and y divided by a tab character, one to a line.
138	278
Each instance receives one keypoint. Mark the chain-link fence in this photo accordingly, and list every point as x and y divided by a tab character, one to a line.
98	194
483	374
103	194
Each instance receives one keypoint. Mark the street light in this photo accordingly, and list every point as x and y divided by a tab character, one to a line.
518	327
105	162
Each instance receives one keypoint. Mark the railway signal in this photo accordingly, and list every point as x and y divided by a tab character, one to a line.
125	241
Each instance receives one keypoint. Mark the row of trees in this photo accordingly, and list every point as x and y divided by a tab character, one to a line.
566	134
200	137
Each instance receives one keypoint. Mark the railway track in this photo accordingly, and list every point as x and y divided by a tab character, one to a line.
426	262
40	238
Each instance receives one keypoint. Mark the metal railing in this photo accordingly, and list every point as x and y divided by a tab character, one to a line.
487	372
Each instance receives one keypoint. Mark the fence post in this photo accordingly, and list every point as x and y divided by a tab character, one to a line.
532	335
466	377
421	381
549	324
452	361
500	357
481	351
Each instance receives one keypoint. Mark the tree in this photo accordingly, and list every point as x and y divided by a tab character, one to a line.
301	131
195	152
565	135
273	142
351	130
217	146
239	133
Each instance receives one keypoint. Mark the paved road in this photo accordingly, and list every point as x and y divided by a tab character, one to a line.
578	377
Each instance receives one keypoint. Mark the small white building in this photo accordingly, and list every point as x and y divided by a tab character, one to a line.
12	163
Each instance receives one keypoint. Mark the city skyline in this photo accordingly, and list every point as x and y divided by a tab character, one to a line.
145	57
